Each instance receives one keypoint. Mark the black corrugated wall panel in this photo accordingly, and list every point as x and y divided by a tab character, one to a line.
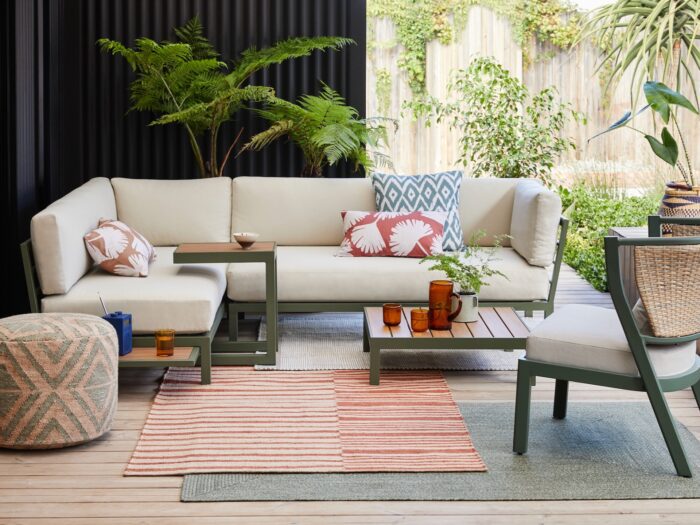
65	105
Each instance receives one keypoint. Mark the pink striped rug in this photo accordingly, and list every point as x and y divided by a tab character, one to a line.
315	421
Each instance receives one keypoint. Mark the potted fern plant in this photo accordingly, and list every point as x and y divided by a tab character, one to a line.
326	130
468	270
184	82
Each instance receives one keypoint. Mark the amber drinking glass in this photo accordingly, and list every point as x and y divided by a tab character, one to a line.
419	320
440	303
165	342
392	314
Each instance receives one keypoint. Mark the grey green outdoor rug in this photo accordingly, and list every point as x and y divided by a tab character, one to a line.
601	451
333	341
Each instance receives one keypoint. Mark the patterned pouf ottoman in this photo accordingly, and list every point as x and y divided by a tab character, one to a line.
58	379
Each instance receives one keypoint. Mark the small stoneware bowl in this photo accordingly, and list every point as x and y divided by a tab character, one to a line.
246	239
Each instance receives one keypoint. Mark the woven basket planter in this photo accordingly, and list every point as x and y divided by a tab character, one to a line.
678	202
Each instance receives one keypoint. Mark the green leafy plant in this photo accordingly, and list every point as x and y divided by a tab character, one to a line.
419	22
468	269
326	130
663	101
592	211
639	34
504	131
184	82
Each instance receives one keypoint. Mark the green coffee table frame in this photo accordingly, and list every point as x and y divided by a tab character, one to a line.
498	328
232	351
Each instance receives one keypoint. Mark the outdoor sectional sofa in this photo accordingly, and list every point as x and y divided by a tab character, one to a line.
303	217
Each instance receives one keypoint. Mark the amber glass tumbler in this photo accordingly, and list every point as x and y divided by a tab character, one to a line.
165	342
440	305
419	320
392	314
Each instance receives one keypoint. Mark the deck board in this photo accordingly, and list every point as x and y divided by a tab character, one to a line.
84	486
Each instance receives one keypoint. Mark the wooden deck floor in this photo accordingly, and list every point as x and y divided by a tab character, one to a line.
84	485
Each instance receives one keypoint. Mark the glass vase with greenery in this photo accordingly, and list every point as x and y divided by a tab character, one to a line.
326	130
185	82
470	268
504	131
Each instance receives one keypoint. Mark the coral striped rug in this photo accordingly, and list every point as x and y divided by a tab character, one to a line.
315	421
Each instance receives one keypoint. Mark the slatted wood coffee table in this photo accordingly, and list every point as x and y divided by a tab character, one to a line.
498	328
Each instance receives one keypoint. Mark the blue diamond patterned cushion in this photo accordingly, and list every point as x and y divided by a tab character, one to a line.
431	192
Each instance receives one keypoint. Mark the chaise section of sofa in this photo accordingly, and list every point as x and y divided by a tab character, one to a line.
183	297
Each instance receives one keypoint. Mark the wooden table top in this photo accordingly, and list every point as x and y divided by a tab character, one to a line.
180	353
493	323
223	247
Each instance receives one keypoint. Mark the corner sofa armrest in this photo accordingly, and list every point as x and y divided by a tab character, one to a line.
57	234
535	222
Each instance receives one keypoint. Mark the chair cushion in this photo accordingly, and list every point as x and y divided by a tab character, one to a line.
430	192
171	212
536	213
314	273
592	337
58	230
183	297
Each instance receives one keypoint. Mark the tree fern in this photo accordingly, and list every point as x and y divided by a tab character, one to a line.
326	130
183	82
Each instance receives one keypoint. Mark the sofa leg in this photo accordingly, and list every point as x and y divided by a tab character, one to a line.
205	362
233	318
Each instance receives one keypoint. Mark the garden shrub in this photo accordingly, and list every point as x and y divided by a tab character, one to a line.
592	212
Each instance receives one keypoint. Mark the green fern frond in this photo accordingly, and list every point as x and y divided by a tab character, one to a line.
264	138
252	59
192	34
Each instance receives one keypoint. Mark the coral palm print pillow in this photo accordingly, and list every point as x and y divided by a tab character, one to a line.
118	249
392	234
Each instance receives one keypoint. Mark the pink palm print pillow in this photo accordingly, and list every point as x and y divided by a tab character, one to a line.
118	249
392	234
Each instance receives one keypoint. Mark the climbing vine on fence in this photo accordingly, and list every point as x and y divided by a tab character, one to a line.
419	22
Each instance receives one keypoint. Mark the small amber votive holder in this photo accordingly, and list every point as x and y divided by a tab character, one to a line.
165	342
419	320
392	314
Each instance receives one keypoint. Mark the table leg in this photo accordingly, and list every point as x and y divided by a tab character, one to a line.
365	335
374	364
271	308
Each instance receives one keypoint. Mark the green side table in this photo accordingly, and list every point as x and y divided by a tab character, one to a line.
231	351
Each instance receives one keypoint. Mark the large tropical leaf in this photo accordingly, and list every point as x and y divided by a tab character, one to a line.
666	149
660	97
626	119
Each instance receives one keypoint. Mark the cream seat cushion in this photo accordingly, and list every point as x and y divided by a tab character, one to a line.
314	273
184	297
592	337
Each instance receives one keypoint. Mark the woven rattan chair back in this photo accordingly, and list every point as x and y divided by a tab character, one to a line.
684	230
669	287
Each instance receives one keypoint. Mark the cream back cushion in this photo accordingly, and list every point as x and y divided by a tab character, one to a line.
296	211
170	212
57	234
486	204
536	213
